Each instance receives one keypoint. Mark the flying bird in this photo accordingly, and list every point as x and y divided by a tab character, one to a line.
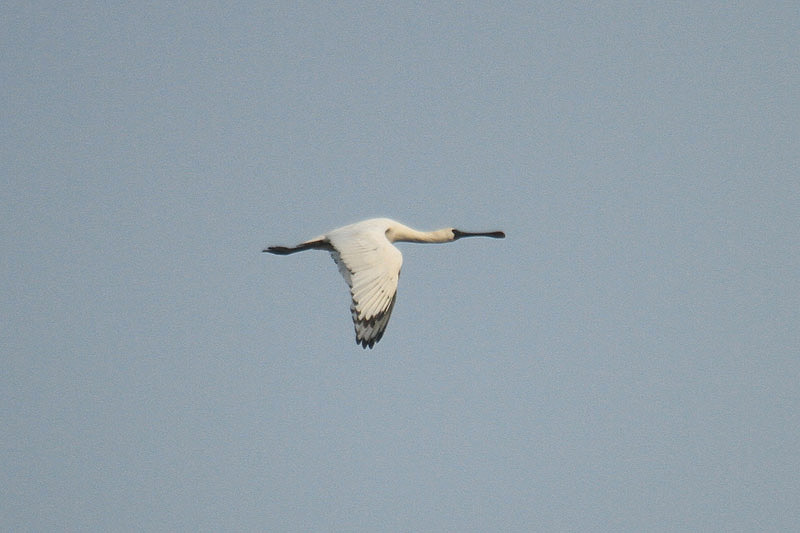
370	265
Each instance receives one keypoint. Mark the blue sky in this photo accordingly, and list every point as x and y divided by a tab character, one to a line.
626	359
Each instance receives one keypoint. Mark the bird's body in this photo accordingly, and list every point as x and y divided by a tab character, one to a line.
370	264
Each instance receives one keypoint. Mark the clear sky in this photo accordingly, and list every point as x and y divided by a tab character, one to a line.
627	359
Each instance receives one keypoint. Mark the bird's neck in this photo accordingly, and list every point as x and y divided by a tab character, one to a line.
406	234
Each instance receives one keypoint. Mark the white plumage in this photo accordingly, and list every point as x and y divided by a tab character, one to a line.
371	265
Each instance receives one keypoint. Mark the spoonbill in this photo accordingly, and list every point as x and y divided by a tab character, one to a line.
370	265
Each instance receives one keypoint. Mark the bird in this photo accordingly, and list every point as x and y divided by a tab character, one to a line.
370	264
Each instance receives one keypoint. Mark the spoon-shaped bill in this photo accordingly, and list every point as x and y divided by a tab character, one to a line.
458	234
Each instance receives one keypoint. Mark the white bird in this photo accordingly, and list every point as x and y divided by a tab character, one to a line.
371	266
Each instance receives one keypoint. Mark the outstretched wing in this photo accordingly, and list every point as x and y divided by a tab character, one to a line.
370	265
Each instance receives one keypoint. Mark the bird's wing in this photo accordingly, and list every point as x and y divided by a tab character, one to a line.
370	265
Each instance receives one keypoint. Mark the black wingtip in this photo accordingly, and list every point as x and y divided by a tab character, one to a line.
364	343
369	343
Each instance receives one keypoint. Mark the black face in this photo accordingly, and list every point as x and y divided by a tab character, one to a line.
457	234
